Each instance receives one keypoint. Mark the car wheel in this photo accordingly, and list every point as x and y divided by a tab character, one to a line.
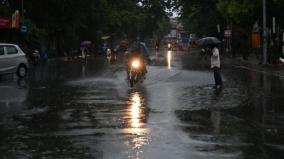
22	71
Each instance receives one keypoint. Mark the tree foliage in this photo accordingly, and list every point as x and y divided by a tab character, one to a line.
199	16
202	16
62	23
240	11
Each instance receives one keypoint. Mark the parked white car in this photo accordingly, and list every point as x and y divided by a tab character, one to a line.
13	60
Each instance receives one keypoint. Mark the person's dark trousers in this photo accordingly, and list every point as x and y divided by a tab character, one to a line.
217	76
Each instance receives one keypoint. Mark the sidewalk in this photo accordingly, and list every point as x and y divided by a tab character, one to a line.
253	64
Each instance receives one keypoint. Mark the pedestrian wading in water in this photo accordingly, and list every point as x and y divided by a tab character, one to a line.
216	66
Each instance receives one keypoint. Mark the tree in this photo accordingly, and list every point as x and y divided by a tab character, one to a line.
199	17
65	23
241	15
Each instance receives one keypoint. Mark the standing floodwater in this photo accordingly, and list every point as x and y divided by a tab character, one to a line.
91	112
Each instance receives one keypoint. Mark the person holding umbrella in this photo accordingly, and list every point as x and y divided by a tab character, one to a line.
216	65
213	43
83	46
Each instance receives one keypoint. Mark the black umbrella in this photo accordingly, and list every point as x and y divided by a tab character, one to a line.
208	41
85	43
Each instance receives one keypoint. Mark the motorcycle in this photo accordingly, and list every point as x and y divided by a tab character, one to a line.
135	72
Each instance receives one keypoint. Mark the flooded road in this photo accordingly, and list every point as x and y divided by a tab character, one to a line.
67	109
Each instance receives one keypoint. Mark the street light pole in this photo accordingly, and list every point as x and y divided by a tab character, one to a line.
264	33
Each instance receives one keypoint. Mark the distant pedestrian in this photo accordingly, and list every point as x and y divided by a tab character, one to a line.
157	46
83	53
216	65
44	56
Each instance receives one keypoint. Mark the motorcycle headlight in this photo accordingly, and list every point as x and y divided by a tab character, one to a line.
135	64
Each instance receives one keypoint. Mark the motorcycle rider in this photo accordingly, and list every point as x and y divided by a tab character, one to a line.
169	46
109	54
136	53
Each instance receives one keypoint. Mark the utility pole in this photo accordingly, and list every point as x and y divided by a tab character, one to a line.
264	43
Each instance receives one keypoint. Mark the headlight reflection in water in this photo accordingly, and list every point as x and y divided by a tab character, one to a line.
136	104
169	59
136	123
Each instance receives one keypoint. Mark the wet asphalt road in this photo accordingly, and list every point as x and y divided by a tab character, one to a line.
67	109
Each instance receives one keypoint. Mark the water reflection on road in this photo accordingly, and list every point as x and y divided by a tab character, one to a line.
138	130
12	98
244	120
92	113
169	59
115	118
135	104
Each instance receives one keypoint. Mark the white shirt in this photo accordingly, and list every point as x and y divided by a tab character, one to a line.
83	53
215	58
